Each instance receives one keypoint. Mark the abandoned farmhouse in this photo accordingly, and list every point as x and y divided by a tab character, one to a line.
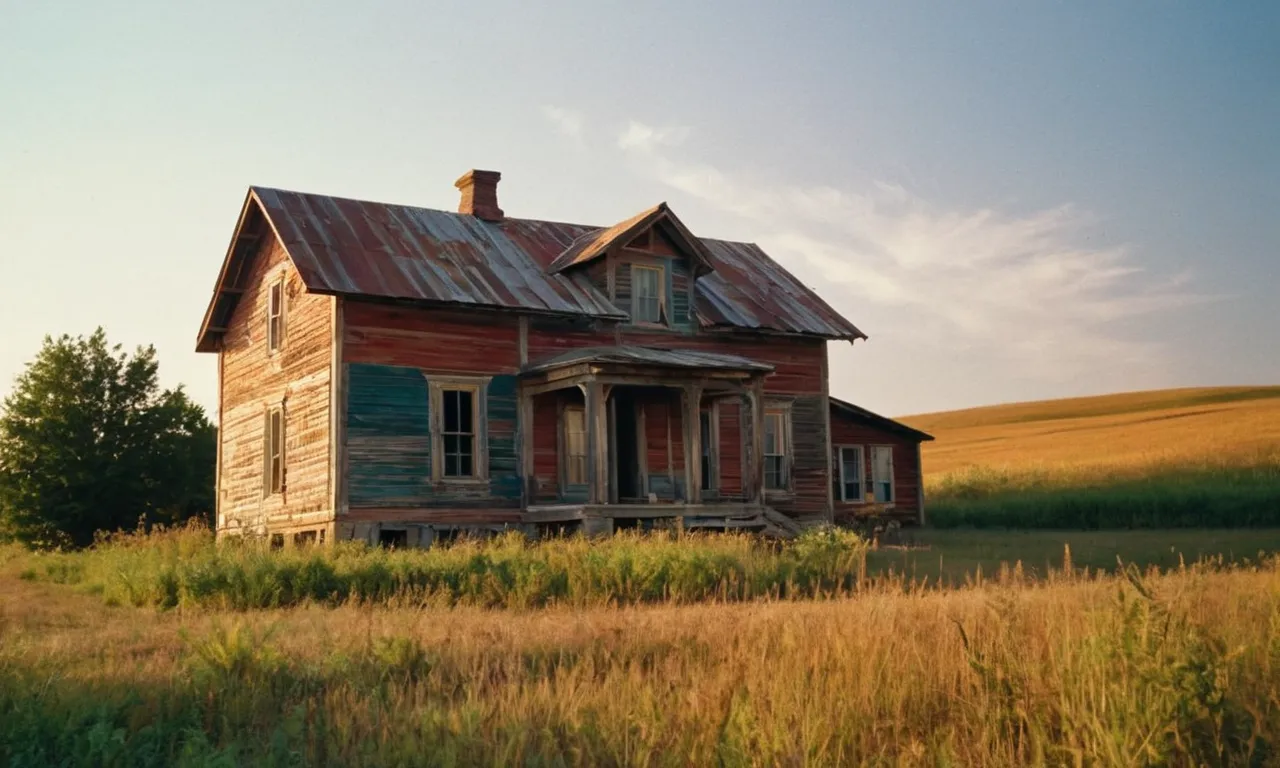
400	375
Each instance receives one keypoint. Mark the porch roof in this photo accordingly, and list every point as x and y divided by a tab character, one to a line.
635	355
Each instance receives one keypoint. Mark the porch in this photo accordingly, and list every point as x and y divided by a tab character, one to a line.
634	436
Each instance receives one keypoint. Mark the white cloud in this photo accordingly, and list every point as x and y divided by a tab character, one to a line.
1024	293
645	138
568	122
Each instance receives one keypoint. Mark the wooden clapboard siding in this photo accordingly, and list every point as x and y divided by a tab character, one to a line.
664	443
730	448
546	441
435	340
847	430
390	354
297	378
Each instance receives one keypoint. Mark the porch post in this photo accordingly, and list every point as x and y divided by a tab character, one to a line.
597	444
755	489
691	399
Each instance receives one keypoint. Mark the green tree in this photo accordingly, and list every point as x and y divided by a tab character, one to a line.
89	442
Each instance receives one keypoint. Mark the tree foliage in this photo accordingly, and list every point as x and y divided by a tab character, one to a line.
89	442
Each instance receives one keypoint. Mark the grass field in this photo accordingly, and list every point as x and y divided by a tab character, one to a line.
1180	668
1188	458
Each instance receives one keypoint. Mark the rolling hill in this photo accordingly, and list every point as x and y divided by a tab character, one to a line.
1128	430
1196	456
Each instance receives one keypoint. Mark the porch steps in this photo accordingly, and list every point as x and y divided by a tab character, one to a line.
778	524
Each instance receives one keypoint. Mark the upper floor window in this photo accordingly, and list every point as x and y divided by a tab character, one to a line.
777	448
648	296
458	443
275	315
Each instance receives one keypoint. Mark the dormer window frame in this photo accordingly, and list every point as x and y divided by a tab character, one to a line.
659	270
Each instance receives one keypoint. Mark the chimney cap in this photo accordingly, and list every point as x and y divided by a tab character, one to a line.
474	175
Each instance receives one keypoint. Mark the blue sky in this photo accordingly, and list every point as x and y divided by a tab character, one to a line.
1013	200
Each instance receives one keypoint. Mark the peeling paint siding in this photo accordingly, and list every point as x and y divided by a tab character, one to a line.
390	354
546	461
548	338
730	449
297	376
809	446
431	339
906	469
663	421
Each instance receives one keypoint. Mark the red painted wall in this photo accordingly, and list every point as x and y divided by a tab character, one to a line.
846	430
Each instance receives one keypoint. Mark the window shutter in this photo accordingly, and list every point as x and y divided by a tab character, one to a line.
266	453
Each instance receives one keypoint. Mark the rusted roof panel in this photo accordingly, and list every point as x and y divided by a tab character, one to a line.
747	289
594	243
859	413
355	247
635	355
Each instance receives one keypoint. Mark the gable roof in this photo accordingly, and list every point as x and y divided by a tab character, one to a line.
883	422
351	247
595	244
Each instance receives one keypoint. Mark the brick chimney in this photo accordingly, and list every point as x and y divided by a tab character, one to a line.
479	194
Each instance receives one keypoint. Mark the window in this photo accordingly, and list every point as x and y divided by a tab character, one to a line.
708	446
458	446
647	285
273	452
304	538
775	450
851	471
575	446
459	432
882	472
393	538
275	315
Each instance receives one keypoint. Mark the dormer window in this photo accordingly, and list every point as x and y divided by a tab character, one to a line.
648	299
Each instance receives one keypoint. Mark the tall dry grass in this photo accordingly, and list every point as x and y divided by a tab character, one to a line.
184	567
1180	668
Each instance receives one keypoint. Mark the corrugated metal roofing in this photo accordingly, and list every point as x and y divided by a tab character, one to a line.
634	355
858	412
355	247
361	248
594	243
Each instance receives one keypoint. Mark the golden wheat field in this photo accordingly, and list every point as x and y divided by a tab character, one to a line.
1123	431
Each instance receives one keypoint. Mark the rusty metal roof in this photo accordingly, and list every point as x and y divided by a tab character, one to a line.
747	289
395	251
359	248
859	413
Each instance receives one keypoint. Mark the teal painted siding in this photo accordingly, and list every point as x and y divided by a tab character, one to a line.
678	285
389	442
504	464
388	436
666	487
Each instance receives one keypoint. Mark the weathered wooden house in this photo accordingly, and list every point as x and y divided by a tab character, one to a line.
398	374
